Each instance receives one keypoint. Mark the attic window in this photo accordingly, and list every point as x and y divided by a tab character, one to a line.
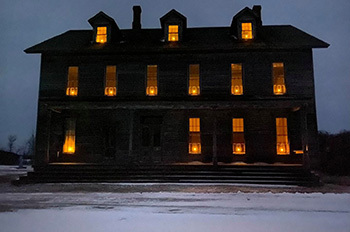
101	35
247	31
173	34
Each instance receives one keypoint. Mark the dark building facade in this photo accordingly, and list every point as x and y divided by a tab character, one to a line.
177	95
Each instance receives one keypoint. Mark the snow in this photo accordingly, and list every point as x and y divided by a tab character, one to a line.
178	211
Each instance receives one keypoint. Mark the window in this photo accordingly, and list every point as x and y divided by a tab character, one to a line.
152	89
69	142
279	87
194	144
101	35
238	143
247	31
193	87
111	81
282	136
72	84
173	33
236	79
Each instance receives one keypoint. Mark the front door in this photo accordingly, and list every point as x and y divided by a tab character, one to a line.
151	140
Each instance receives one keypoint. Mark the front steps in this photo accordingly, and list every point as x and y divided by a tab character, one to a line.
274	175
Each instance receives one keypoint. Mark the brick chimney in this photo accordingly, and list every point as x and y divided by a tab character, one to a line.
257	10
136	24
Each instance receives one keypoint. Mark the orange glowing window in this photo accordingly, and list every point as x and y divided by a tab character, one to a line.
236	79
69	142
173	33
282	136
193	85
111	81
152	85
194	145
238	142
72	83
247	31
101	35
279	87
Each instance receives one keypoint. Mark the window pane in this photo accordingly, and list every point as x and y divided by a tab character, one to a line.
282	136
194	144
152	85
72	82
247	32
173	33
238	142
194	88
69	142
101	35
279	87
111	81
236	79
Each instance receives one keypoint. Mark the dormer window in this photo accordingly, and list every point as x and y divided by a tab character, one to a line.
101	35
247	31
174	26
173	34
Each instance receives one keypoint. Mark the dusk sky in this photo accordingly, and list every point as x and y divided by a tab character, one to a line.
26	23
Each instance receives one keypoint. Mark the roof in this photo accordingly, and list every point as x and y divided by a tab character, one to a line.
196	39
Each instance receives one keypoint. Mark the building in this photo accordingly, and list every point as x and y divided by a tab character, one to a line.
177	95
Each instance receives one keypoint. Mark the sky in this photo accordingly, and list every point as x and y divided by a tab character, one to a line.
25	23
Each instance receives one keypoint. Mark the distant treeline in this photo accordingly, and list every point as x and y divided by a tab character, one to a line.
334	153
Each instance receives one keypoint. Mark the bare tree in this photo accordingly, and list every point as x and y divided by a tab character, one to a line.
11	142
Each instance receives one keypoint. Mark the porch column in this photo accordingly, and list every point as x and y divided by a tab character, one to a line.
304	136
131	129
215	155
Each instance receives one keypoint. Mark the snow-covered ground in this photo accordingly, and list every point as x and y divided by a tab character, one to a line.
169	207
169	211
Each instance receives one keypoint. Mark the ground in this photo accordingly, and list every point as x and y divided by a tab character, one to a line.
175	207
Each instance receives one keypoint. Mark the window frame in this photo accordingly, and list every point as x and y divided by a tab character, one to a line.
275	79
189	80
105	35
194	148
72	89
149	86
241	80
171	33
107	92
241	30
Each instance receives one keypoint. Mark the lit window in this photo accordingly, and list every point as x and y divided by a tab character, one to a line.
193	88
173	33
282	136
72	83
101	35
236	79
69	142
152	89
247	31
111	81
279	87
238	143
194	144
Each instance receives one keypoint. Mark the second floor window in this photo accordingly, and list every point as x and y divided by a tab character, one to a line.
101	35
193	85
152	85
279	87
247	31
72	82
236	79
173	33
111	81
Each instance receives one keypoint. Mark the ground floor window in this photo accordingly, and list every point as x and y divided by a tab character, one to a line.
282	136
238	142
194	144
69	142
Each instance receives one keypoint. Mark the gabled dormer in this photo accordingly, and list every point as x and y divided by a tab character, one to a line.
105	29
246	24
173	25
